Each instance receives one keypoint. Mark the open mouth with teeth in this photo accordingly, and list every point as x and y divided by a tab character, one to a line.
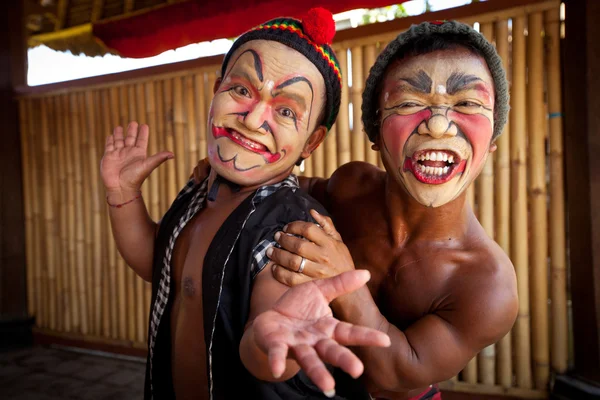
434	167
248	144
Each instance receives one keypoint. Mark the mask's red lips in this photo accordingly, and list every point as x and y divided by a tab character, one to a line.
238	138
434	167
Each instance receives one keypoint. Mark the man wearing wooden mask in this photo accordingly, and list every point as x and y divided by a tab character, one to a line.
434	102
217	312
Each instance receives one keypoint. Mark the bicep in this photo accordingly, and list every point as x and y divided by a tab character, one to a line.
266	290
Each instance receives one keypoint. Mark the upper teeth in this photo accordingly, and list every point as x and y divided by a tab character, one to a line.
247	142
433	170
436	156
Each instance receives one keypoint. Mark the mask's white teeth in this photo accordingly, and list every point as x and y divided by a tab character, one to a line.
451	159
440	156
446	170
433	157
427	156
445	157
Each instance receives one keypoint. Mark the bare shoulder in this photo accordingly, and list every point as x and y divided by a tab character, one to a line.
485	290
354	179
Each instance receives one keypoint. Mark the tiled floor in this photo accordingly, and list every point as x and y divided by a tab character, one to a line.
41	373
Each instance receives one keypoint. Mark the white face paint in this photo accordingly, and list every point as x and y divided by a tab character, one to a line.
440	89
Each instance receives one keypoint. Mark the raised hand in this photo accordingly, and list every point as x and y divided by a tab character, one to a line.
321	247
125	164
301	326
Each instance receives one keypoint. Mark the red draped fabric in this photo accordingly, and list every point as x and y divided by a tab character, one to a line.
193	21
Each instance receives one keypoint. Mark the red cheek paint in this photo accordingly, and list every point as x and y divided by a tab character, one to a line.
397	128
478	130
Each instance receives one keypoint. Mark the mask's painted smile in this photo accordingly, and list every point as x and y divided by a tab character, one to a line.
434	167
246	143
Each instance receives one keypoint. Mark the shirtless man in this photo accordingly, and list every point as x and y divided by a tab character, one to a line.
215	313
435	101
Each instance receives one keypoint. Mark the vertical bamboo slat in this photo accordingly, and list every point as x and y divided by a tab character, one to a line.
502	206
318	158
369	57
343	126
171	181
201	112
78	220
557	201
162	144
182	158
537	200
191	126
358	85
49	222
330	144
485	198
519	240
24	121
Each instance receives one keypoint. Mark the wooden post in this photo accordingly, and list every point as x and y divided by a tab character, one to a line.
343	127
560	334
519	232
330	144
171	182
182	158
201	112
582	146
369	59
191	124
502	206
358	85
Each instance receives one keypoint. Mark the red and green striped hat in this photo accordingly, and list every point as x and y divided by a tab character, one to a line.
312	37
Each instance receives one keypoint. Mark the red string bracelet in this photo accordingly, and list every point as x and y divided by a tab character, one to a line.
123	204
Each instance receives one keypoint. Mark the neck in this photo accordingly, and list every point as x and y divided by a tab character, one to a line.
413	221
228	192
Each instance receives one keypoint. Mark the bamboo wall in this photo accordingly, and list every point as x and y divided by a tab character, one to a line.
79	285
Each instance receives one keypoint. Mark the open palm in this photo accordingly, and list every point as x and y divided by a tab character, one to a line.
125	164
301	326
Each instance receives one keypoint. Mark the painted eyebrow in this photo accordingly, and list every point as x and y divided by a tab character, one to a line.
291	81
422	82
257	64
458	81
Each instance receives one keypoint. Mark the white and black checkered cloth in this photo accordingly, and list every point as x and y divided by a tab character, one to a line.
260	259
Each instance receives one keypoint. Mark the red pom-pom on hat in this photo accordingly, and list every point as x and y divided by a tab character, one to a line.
319	25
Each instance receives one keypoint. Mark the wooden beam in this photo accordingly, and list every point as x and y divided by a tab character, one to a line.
581	63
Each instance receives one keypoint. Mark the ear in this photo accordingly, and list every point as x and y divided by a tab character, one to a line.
217	84
315	139
493	147
376	146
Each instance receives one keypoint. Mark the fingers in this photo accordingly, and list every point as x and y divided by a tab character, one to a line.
326	224
299	247
110	144
354	335
343	283
289	260
154	161
132	133
288	277
307	230
118	138
142	137
332	353
313	367
277	357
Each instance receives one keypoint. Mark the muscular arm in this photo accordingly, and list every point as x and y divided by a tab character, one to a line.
316	187
478	311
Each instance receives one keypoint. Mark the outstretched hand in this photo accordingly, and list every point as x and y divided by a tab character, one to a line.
301	326
125	164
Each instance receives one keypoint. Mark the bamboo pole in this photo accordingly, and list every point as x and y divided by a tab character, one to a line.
49	222
308	167
85	206
330	144
486	360
171	182
502	207
71	231
36	193
557	199
537	200
343	127
140	290
369	57
318	158
131	292
358	85
61	127
116	107
79	218
109	104
201	112
104	128
24	117
91	101
162	144
191	124
182	160
519	233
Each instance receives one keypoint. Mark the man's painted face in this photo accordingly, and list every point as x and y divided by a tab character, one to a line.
437	122
263	112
